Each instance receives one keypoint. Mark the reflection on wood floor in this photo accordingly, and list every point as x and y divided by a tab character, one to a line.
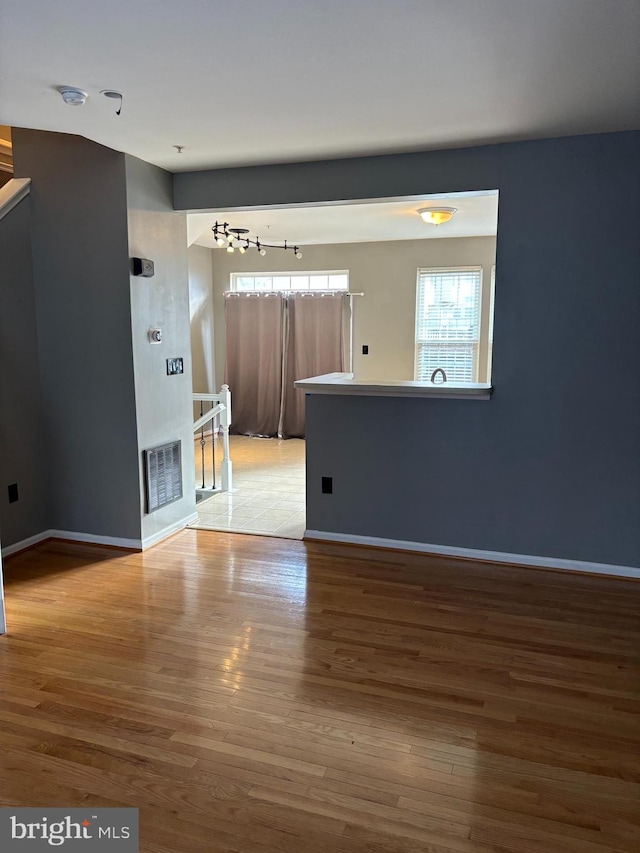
256	695
268	496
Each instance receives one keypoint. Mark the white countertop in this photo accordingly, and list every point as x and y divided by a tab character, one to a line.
345	383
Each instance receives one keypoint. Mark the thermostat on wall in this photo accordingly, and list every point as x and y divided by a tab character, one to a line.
143	267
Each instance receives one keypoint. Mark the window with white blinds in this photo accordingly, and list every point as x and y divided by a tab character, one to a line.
448	323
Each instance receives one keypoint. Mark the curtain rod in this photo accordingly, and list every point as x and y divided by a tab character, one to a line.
290	292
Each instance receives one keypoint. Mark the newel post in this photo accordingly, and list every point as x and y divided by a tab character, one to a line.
226	468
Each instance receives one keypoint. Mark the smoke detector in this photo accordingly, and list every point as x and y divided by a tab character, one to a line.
72	96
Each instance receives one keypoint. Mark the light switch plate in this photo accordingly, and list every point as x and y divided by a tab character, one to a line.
175	366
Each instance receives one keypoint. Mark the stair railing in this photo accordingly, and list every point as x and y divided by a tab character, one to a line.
218	416
12	194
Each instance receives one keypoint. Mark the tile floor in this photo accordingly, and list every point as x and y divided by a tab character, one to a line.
268	496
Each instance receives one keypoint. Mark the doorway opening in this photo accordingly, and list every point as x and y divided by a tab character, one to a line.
427	293
268	493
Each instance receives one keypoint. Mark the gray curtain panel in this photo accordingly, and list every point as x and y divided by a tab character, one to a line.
314	345
253	362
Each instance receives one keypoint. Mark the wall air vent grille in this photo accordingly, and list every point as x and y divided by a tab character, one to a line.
163	469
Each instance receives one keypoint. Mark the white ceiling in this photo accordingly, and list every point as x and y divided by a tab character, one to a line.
476	216
252	81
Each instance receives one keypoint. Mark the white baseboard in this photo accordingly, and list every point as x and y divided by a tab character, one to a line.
92	539
71	536
26	543
347	538
148	541
474	554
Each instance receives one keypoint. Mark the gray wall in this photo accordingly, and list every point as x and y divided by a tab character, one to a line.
203	359
81	277
385	272
334	181
163	402
550	466
22	458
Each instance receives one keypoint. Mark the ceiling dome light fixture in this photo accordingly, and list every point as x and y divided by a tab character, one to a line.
72	96
436	215
225	236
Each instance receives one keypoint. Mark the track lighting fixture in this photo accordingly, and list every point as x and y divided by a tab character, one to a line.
239	237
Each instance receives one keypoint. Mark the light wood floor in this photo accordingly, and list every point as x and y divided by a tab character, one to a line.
254	695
